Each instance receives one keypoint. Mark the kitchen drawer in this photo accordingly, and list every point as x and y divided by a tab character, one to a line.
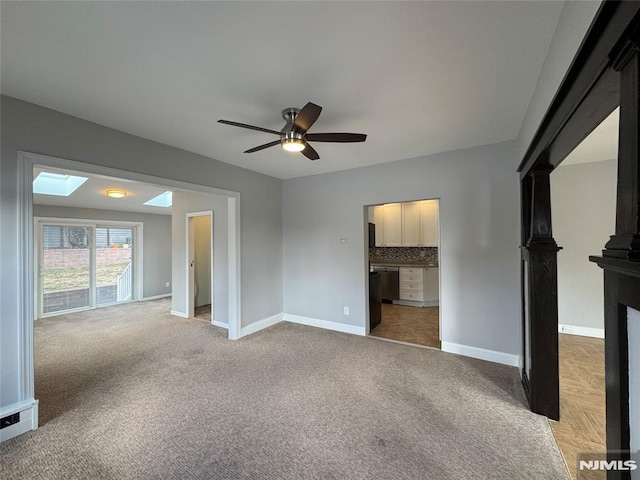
413	278
411	295
412	286
411	270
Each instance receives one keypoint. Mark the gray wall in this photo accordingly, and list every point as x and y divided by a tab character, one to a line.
156	241
479	257
192	202
583	199
28	127
573	24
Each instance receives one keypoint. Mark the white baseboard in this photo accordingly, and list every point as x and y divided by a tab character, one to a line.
28	411
315	322
582	331
412	303
220	324
261	324
481	353
156	297
179	314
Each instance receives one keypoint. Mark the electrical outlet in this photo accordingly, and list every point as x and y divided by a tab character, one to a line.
346	310
168	284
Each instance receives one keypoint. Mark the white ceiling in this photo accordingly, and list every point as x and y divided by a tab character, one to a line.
417	77
93	194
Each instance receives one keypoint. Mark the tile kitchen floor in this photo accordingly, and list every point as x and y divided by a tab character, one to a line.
409	324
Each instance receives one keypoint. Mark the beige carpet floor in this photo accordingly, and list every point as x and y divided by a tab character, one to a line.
131	392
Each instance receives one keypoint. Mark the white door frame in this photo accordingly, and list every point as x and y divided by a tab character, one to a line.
25	300
190	259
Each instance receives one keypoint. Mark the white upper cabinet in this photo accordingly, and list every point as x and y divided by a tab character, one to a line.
411	231
429	223
392	225
410	224
388	220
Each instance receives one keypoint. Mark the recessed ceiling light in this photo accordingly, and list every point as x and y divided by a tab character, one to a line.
116	193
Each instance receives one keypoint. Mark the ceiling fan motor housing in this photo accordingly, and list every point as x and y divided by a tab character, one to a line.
288	134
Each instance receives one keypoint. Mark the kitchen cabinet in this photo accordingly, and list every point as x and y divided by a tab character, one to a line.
411	231
412	284
420	224
388	220
419	285
431	287
409	224
429	223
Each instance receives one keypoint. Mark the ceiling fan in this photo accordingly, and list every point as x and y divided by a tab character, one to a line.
294	136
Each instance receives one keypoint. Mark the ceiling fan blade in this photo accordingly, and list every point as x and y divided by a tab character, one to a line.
309	152
306	117
250	127
336	137
262	147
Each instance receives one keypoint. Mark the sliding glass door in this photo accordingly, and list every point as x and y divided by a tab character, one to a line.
65	269
114	247
84	266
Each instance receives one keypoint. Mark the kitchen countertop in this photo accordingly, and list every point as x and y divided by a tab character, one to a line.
400	263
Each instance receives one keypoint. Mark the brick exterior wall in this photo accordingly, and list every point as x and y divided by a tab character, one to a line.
71	257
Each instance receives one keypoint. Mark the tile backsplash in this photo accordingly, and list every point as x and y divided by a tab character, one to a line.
403	254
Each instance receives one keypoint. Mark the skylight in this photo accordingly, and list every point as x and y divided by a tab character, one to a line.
48	183
163	200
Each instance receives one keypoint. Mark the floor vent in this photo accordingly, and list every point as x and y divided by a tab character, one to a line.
9	420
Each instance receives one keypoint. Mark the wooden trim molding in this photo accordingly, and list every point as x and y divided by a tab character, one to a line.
589	91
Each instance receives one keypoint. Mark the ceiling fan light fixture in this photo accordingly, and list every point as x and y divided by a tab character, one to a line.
293	145
116	193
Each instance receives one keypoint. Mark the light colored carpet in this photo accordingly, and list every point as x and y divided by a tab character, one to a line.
131	392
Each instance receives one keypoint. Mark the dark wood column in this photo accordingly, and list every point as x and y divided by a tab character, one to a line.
626	241
621	258
540	278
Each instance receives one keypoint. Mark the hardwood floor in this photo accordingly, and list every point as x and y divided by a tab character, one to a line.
203	312
409	324
582	424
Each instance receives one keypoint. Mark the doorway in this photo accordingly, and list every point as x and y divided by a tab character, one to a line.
200	265
583	193
404	271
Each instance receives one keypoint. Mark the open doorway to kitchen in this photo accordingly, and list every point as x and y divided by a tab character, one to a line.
404	273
